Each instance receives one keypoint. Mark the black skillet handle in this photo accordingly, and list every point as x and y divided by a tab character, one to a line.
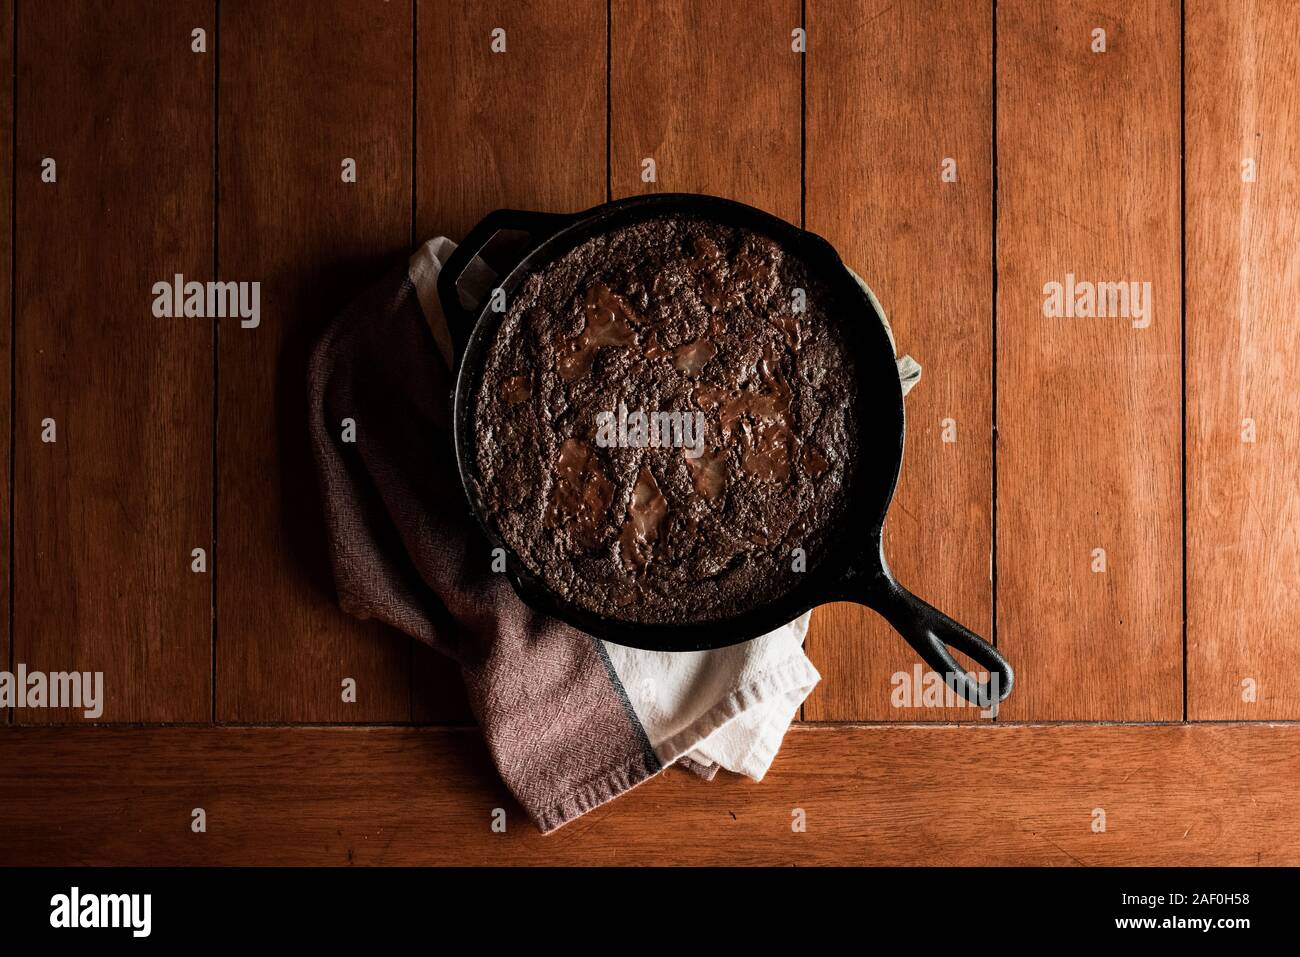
538	226
932	633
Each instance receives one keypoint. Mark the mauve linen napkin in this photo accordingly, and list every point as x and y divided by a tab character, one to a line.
571	721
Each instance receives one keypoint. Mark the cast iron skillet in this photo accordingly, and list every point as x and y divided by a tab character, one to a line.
854	568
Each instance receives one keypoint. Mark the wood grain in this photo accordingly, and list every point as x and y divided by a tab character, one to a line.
1243	360
891	794
6	317
711	93
523	128
299	94
894	91
106	516
1088	409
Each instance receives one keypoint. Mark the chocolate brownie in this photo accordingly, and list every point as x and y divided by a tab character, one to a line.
697	326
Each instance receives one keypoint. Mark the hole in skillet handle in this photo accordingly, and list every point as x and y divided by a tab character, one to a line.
537	226
932	633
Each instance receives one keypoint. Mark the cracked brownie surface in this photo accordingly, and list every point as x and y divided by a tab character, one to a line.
675	316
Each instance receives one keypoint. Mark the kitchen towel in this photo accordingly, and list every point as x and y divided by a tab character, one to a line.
571	721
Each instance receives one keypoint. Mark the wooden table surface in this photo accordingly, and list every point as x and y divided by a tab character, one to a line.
1114	500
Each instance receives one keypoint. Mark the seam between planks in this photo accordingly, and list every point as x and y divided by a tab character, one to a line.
13	322
910	725
993	357
609	101
803	185
1182	311
415	47
214	561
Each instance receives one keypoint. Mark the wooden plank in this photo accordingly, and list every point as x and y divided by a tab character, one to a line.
106	516
521	128
6	319
711	93
300	95
1088	416
894	93
990	794
1243	360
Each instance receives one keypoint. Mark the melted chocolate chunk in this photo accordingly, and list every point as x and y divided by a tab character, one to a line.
671	315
